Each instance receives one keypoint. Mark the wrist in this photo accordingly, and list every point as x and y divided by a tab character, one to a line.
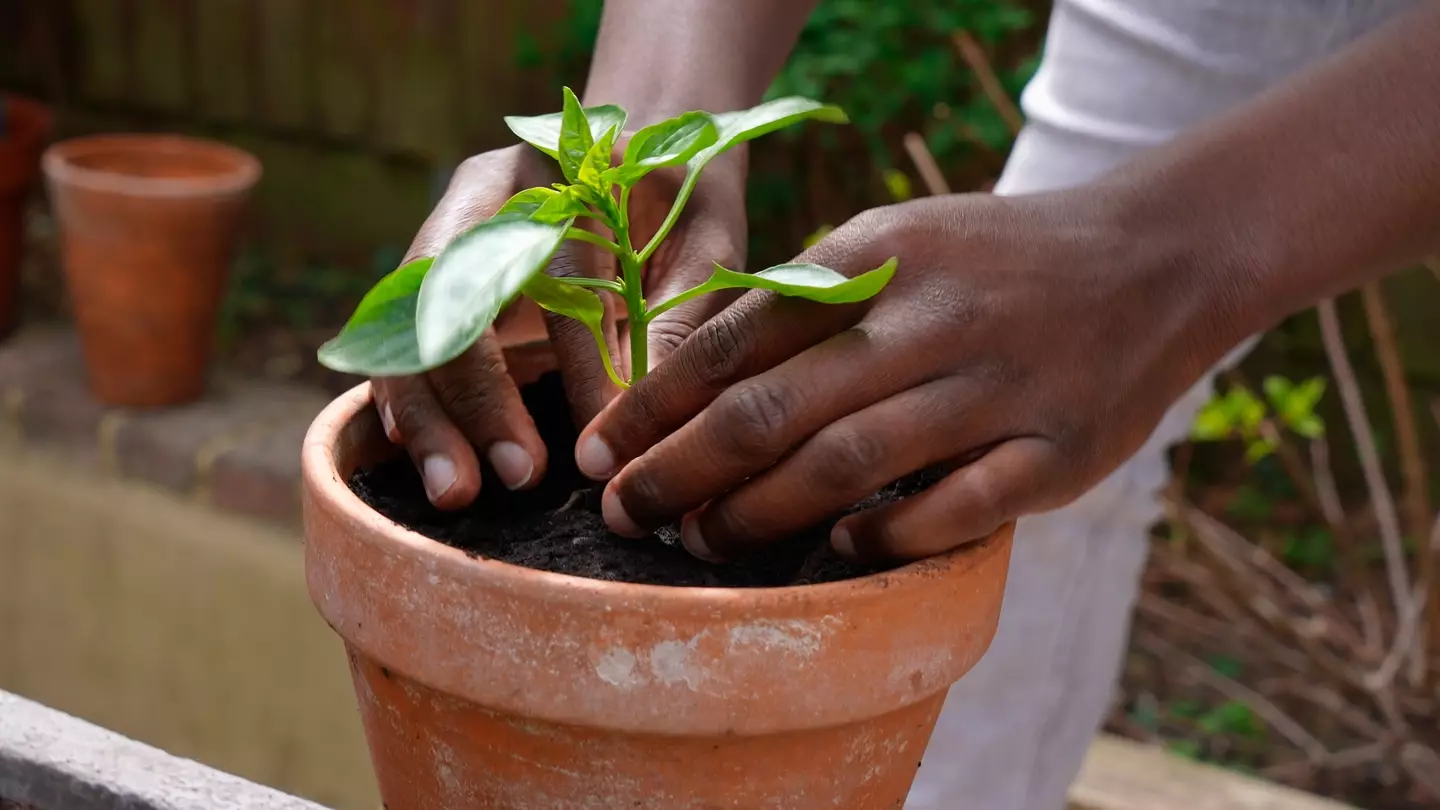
1201	282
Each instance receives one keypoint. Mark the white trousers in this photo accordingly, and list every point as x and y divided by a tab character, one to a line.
1117	76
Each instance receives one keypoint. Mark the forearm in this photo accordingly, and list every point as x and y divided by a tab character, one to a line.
658	58
1328	181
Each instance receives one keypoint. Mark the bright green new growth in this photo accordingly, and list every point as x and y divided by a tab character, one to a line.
429	311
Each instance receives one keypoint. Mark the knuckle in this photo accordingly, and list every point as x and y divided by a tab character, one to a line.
986	498
669	333
755	417
846	458
721	346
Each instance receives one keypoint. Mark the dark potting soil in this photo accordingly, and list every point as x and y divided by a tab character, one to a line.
557	525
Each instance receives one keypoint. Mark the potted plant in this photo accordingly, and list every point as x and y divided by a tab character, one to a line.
24	125
516	655
147	224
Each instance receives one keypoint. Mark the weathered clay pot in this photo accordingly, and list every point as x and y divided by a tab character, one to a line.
148	226
26	125
486	685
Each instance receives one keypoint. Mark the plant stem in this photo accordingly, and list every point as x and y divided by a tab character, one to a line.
676	300
681	198
631	273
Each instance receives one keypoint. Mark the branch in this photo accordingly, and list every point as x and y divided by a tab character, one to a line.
1380	496
925	163
990	84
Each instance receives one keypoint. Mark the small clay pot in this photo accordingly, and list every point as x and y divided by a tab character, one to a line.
486	685
148	225
26	126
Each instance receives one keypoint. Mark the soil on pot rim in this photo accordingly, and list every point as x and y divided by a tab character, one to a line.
557	525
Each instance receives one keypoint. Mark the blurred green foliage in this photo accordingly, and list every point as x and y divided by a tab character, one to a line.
893	66
1240	414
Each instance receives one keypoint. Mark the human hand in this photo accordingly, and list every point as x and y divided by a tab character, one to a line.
1034	341
442	417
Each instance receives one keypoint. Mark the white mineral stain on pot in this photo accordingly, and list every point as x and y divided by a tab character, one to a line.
795	636
617	668
670	664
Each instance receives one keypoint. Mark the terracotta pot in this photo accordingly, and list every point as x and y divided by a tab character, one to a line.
148	225
487	685
22	136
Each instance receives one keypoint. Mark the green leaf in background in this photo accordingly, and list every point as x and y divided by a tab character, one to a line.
575	137
543	131
473	280
527	202
379	339
668	143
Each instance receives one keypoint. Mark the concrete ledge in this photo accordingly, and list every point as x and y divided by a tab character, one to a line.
1124	775
51	761
173	623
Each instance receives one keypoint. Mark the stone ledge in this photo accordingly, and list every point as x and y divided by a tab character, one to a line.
237	449
52	761
246	433
1124	775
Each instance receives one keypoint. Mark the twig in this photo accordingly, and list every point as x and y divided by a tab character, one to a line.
1179	617
1380	496
1423	766
1273	715
979	62
1412	466
1412	459
924	161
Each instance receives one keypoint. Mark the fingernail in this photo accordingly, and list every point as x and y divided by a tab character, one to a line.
694	542
439	474
387	420
511	463
594	458
615	516
842	542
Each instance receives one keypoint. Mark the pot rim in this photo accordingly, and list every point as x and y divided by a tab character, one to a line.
321	475
60	165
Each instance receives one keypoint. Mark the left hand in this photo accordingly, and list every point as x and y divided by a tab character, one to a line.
1035	340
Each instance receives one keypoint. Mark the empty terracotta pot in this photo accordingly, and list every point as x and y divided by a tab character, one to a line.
148	226
487	685
25	126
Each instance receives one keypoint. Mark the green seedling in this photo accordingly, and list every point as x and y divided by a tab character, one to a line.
430	311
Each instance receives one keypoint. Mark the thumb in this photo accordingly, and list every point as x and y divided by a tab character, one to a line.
683	264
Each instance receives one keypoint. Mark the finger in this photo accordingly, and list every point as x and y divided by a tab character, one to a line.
754	335
441	453
752	425
1020	476
483	402
844	463
587	386
686	263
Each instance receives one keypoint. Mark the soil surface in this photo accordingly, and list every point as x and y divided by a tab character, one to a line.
557	526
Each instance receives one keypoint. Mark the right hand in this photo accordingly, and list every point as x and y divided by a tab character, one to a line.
444	416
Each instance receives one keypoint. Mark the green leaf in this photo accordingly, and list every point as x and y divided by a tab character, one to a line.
596	162
473	280
809	281
575	137
668	143
561	206
543	131
566	299
527	202
745	125
379	339
575	302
